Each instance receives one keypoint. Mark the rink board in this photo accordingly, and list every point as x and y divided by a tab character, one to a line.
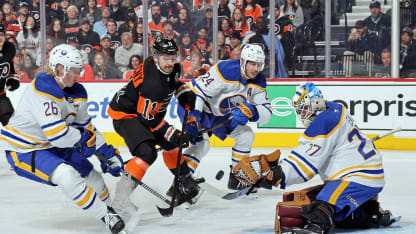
376	106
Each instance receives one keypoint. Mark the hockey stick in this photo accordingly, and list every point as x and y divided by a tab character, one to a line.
202	131
169	211
145	186
386	134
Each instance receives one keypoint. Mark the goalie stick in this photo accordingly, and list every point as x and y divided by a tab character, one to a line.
222	194
386	134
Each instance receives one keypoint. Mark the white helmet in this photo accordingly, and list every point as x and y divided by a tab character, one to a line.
253	53
66	55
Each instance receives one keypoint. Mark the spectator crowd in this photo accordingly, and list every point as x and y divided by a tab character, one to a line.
110	33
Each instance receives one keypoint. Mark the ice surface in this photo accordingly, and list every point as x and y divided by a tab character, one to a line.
28	207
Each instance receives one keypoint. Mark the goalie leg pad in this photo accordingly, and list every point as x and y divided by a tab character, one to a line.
289	211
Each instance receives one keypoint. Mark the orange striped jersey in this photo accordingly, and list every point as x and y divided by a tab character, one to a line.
146	95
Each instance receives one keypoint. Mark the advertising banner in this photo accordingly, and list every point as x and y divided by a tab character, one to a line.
376	106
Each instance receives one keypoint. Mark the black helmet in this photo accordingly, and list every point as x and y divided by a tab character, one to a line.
164	46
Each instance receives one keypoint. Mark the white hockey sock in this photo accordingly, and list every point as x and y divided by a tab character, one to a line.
75	187
96	181
195	153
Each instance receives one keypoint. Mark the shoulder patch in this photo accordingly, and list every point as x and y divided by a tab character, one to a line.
46	85
77	91
229	70
326	122
259	80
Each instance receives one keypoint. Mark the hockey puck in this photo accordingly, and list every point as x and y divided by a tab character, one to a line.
219	175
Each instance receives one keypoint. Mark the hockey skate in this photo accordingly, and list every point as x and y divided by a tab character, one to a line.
113	221
310	228
188	190
383	218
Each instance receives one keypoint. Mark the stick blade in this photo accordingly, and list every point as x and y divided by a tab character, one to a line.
166	212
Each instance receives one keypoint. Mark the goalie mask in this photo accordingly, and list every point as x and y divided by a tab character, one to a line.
308	101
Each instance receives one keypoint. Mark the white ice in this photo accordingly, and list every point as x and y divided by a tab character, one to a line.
27	207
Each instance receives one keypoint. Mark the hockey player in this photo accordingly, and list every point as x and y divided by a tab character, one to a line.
50	136
231	89
138	111
8	78
345	158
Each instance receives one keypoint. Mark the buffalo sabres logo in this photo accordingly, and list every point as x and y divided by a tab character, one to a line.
5	68
229	103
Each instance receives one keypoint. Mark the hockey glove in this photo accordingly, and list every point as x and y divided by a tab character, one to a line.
185	96
114	163
176	138
261	168
192	123
243	113
12	82
86	145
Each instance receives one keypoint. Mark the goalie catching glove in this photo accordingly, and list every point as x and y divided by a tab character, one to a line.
114	165
262	170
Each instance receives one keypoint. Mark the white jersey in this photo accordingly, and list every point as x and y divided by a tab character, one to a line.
47	117
333	147
222	89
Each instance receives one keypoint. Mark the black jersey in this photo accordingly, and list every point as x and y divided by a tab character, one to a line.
147	95
6	63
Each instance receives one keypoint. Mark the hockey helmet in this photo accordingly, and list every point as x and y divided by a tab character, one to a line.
66	55
253	53
164	45
307	102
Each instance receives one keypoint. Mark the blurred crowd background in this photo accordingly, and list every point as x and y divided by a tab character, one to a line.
110	34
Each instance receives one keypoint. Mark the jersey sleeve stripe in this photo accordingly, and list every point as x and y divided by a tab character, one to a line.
305	161
303	168
56	138
51	124
17	138
55	131
296	169
22	134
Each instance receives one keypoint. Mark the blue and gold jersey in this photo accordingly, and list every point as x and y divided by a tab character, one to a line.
47	116
333	147
223	88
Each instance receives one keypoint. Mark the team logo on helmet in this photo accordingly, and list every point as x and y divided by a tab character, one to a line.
64	52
